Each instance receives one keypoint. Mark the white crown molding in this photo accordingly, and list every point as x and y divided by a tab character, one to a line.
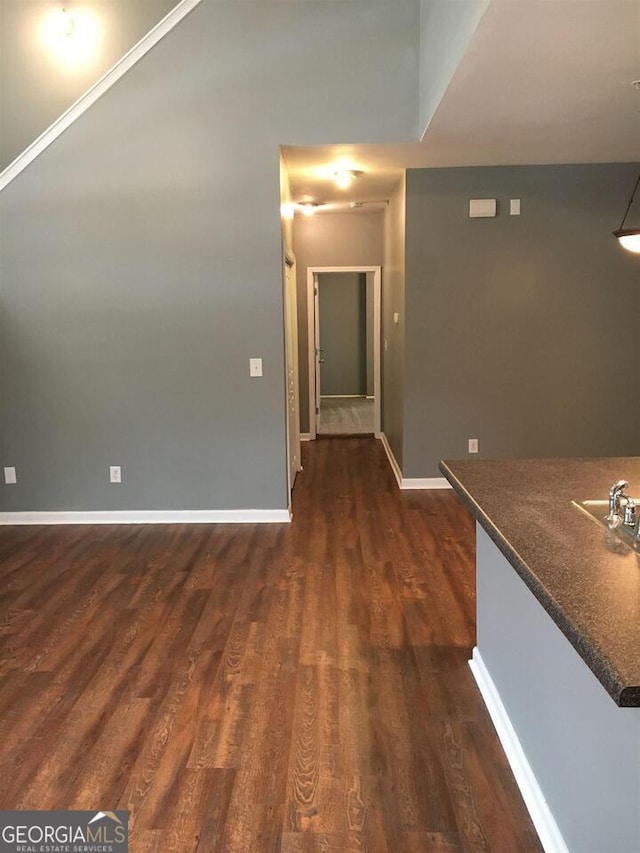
405	483
91	95
541	815
205	516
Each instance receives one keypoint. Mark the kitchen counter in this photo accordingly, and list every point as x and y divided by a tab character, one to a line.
584	577
558	637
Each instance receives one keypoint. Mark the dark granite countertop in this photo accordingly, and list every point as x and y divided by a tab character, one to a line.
586	579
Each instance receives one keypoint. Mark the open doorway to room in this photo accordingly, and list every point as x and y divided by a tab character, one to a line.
344	350
344	337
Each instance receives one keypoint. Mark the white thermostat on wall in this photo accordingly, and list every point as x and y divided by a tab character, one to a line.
482	207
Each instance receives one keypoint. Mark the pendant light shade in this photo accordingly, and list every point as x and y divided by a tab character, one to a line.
629	238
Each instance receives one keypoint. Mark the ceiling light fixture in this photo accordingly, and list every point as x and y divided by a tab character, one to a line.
629	238
67	23
308	208
72	37
345	177
353	204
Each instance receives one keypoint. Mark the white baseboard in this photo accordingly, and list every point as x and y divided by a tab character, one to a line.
411	482
306	436
425	483
392	459
91	96
214	516
541	815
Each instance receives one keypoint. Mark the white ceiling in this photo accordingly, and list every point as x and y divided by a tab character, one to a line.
543	81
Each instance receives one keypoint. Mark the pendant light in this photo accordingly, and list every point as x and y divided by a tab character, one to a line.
629	238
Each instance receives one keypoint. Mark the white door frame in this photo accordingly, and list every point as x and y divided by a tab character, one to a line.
317	352
311	338
291	353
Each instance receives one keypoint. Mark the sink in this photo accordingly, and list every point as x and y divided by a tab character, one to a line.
598	511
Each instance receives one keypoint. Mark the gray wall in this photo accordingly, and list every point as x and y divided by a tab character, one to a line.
343	333
330	240
522	331
36	86
141	262
393	335
446	28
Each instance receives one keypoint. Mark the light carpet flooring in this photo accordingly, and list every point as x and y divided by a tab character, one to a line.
345	416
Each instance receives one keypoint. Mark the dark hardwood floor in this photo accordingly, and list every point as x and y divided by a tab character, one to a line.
250	688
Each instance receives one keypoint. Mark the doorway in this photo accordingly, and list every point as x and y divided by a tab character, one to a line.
344	350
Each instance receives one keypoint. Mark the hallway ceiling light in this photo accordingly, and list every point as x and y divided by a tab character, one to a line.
354	204
345	177
308	208
629	238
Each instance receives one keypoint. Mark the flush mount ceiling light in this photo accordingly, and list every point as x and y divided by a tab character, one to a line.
356	204
72	37
345	177
66	23
629	238
308	208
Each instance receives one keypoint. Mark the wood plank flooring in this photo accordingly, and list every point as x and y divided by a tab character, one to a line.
258	688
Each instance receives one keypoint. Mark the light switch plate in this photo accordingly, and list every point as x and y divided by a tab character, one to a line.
115	474
514	207
255	367
10	476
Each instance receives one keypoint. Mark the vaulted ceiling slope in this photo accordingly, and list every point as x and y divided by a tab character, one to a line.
501	82
538	81
544	81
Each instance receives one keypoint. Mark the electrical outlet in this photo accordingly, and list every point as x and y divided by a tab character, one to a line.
115	474
473	445
255	367
10	476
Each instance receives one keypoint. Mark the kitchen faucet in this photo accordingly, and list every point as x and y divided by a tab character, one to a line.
616	493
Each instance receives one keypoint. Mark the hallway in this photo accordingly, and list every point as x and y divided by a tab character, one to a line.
259	688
